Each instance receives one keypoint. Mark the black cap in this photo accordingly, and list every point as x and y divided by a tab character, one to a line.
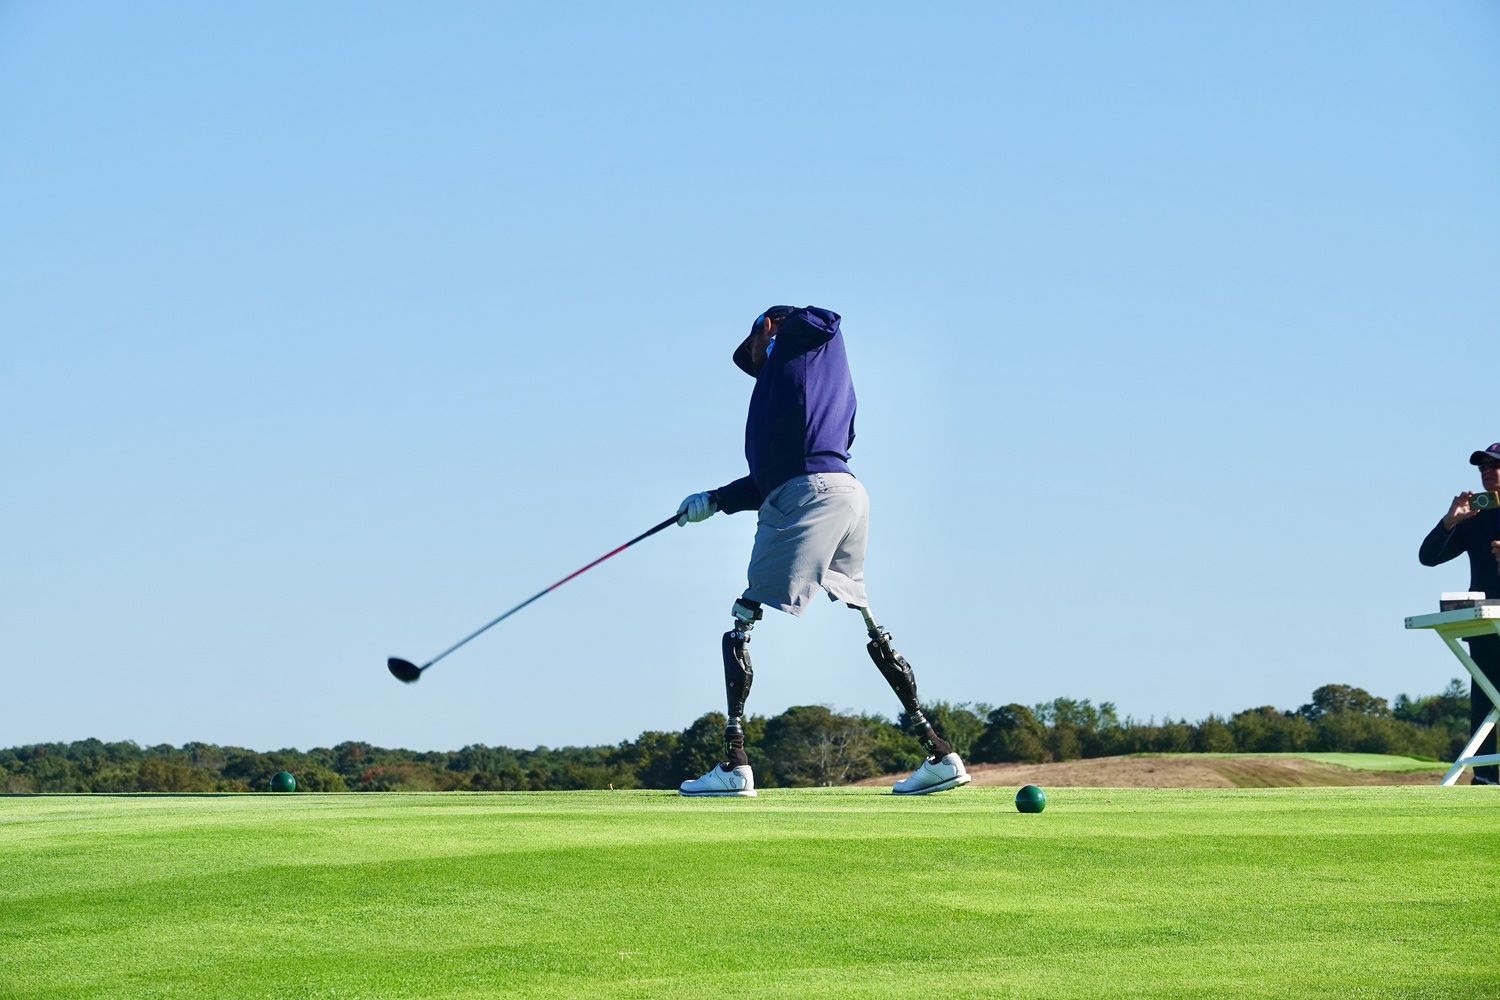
1490	454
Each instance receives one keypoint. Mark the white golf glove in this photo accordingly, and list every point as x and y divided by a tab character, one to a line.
698	507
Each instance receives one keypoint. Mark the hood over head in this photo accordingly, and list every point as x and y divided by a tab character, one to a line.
822	325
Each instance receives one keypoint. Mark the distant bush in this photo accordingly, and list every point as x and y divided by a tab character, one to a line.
805	745
813	745
1446	714
1012	733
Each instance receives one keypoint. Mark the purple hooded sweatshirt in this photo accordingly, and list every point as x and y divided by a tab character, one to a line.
801	412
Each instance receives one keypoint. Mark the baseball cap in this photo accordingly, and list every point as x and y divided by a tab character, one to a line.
1490	454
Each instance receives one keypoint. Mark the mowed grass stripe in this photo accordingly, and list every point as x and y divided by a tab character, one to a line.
1347	892
1353	761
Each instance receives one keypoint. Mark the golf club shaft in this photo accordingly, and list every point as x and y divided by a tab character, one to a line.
612	552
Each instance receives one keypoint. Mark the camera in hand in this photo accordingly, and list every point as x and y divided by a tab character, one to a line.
1485	501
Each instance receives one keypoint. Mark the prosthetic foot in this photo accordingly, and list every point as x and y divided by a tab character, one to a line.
735	781
934	776
733	776
943	769
737	678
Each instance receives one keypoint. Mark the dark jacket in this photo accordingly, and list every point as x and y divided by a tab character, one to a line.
1473	536
801	416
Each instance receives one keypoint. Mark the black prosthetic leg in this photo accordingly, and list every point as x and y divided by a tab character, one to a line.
737	678
897	673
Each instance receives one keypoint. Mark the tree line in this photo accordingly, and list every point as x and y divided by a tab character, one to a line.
805	745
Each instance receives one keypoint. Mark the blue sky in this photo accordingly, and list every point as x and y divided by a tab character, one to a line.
328	332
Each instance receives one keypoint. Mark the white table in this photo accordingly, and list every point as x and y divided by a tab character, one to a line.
1452	626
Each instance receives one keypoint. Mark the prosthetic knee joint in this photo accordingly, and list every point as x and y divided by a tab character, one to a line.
737	677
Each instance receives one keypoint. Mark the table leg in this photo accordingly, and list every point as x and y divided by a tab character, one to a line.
1473	744
1472	668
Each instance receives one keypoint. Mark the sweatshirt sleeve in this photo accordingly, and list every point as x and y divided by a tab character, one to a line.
1441	544
739	495
801	335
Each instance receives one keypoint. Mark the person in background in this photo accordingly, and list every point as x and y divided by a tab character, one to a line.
1471	529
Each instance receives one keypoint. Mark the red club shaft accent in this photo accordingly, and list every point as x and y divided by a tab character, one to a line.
612	552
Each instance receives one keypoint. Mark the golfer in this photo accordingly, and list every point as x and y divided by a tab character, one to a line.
810	532
1466	528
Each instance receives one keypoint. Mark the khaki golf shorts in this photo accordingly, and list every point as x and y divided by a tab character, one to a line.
811	534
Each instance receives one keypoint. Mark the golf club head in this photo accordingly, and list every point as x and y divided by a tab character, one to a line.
403	670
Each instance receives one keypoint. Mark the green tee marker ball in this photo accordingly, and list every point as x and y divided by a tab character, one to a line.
283	782
1030	799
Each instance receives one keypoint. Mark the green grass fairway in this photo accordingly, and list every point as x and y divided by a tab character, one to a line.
1356	761
1340	892
1373	761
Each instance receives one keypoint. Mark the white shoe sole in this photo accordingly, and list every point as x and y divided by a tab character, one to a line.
744	793
942	786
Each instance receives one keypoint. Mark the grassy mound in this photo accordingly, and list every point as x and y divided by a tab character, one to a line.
1354	761
800	893
1211	770
1374	761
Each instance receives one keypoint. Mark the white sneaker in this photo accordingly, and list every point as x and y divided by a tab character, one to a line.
740	781
934	777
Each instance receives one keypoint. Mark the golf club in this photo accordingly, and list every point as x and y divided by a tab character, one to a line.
405	670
